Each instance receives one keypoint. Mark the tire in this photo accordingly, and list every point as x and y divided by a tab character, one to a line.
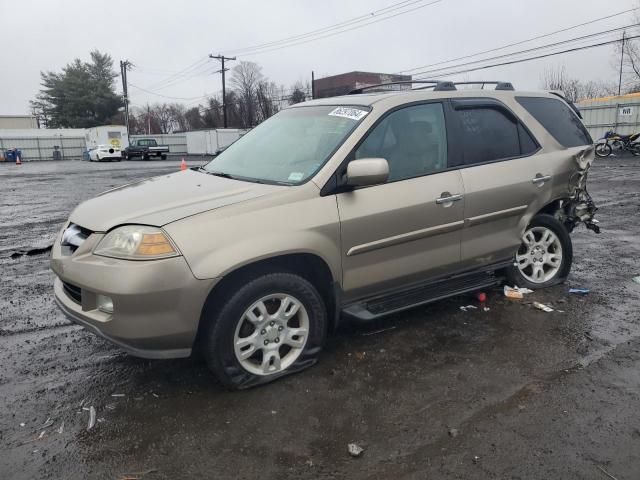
634	148
145	156
603	150
553	271
230	323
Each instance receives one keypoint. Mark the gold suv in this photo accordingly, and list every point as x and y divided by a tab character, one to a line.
348	207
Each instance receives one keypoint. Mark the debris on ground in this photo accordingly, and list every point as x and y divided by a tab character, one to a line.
543	307
482	297
366	334
468	307
361	355
136	475
476	459
636	279
22	424
580	291
355	450
453	432
485	309
41	434
48	423
92	418
117	394
61	428
516	292
606	473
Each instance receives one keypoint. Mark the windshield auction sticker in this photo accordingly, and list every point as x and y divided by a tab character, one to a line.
347	112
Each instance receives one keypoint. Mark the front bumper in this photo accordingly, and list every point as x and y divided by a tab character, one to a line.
157	303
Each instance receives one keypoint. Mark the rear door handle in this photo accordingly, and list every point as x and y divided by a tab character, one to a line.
540	179
446	197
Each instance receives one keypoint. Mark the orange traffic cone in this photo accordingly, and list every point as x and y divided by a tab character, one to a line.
183	165
18	161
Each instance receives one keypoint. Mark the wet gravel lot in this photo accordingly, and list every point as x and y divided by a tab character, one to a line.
437	392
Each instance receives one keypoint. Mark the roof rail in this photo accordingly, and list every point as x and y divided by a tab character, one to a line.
437	85
499	85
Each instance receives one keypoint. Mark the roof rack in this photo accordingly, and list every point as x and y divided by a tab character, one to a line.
437	85
499	85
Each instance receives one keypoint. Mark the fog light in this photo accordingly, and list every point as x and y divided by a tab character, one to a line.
105	304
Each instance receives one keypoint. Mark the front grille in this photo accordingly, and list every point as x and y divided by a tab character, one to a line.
73	237
73	292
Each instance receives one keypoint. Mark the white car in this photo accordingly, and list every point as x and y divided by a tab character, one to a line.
105	152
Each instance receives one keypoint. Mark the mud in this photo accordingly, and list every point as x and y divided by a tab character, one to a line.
527	394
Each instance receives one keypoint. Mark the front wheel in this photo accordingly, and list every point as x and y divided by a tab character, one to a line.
634	148
603	149
545	255
273	326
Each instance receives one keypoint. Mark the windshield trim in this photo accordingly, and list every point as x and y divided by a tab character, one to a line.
356	124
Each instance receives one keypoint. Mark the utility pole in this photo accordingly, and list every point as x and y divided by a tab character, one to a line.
148	119
222	58
123	73
621	59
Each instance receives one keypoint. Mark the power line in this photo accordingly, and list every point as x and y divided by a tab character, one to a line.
519	42
530	50
357	19
197	64
167	96
595	45
260	51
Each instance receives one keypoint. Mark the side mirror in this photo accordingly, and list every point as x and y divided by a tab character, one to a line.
367	171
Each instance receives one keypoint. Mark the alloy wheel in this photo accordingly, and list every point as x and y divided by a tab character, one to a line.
271	334
540	255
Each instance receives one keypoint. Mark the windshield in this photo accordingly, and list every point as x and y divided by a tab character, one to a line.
289	147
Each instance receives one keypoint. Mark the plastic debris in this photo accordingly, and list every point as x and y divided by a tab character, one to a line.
41	434
512	293
22	424
482	297
61	428
117	394
581	291
468	307
516	292
48	423
636	279
543	307
485	309
92	418
453	432
476	459
355	450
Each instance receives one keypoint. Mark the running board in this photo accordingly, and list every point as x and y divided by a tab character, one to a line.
374	308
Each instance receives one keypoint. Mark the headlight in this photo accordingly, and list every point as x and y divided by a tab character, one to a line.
136	242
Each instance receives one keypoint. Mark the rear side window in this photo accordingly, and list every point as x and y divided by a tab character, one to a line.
558	119
488	135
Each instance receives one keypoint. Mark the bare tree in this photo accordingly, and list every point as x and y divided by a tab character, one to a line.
245	78
297	95
267	97
573	89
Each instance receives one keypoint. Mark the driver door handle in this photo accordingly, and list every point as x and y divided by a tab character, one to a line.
446	197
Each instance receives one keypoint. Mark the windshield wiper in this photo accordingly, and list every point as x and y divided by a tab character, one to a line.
218	174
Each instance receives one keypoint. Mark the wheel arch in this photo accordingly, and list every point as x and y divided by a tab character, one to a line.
309	266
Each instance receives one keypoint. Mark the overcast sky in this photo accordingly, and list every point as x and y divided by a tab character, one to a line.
162	38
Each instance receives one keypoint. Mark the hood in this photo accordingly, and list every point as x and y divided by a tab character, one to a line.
165	199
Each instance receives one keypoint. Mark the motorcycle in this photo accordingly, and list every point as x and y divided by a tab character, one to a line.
614	141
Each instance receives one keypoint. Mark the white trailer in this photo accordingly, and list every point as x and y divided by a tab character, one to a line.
114	135
212	142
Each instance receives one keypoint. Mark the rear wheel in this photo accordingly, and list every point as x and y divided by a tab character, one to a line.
273	326
603	149
634	148
545	255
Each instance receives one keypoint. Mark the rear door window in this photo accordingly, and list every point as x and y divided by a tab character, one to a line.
487	135
558	119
